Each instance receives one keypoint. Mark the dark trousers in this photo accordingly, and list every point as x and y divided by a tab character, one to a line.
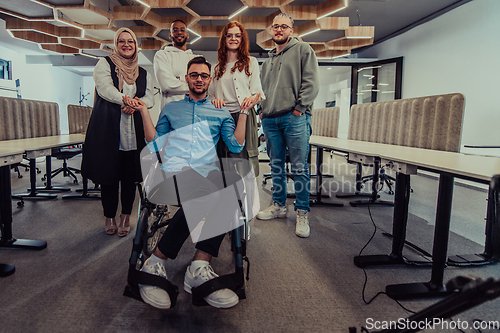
110	193
193	186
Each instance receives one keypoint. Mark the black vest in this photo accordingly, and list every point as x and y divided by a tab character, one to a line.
102	141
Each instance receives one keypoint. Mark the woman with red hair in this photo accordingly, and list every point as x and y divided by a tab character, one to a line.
236	85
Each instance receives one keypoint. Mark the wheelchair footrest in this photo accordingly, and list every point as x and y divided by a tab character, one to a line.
234	281
136	277
132	292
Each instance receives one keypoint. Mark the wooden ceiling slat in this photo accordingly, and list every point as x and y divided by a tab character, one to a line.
80	44
60	48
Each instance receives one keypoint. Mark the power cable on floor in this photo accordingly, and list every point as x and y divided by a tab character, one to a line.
363	329
364	271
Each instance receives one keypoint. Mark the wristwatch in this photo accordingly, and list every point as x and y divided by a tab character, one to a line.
245	112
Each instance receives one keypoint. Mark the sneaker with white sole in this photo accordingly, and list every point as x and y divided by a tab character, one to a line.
248	231
154	296
302	228
272	212
223	298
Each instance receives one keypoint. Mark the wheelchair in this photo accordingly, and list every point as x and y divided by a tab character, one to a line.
152	222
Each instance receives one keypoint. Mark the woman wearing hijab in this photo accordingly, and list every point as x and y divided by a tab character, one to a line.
236	85
115	134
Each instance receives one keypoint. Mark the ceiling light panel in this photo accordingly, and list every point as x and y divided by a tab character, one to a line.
26	8
84	16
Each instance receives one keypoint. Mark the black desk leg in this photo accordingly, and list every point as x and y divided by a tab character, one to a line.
400	218
491	254
435	286
6	217
48	185
84	195
374	195
319	182
32	192
492	243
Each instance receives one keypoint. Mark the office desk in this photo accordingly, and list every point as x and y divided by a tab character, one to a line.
405	161
9	156
448	165
369	153
38	147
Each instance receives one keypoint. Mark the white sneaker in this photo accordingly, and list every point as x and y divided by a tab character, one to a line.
223	298
302	227
154	296
248	231
272	212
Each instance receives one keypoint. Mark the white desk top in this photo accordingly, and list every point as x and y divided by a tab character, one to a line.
44	142
471	166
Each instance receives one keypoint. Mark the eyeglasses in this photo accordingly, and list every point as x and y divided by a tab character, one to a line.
194	76
178	29
130	41
282	26
237	36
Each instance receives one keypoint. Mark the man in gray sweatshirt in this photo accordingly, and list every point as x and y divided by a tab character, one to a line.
290	80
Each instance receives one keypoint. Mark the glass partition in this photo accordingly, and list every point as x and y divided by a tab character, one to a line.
376	81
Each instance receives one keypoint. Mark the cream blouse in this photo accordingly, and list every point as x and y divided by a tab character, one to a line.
232	88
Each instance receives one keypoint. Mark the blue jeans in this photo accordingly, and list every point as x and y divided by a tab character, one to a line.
289	132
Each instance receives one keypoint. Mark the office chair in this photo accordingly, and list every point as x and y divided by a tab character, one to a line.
26	166
64	154
16	168
384	179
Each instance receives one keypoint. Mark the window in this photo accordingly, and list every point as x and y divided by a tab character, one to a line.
377	81
5	69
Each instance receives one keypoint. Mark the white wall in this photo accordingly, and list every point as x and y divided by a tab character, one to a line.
88	87
456	52
324	95
44	83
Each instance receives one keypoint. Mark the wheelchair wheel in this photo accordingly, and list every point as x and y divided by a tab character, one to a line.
155	220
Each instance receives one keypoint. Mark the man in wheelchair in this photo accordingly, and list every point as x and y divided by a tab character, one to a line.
187	131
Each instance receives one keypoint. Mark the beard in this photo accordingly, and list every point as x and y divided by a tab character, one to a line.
181	43
194	90
281	41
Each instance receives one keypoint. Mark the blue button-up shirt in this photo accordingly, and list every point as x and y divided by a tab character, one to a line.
189	131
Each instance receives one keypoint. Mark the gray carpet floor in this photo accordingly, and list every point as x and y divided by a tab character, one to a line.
295	285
